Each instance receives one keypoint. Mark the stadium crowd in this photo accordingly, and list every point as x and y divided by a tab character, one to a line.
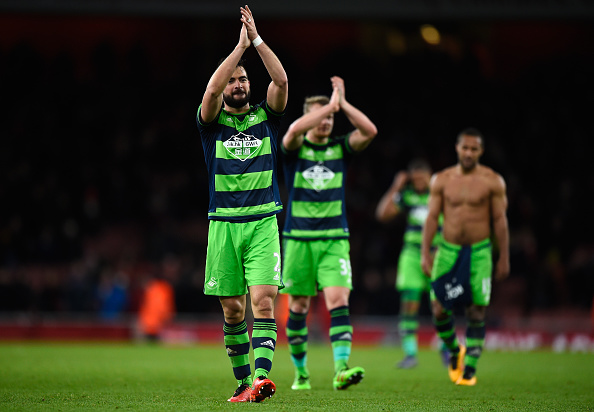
103	181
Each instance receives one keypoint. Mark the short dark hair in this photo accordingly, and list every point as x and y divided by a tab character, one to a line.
419	164
471	131
240	63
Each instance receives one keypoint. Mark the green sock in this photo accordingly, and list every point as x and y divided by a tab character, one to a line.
237	343
341	336
447	332
475	340
297	334
408	327
264	343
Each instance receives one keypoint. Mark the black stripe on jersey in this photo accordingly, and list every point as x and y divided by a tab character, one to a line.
335	165
244	198
414	228
316	223
310	195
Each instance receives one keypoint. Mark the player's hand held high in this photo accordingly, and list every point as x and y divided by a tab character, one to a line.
244	41
338	85
335	100
249	26
365	129
400	180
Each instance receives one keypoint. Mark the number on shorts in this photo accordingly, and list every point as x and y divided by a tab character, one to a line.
278	262
486	286
345	267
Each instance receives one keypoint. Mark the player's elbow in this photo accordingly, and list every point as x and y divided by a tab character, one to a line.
295	130
281	81
291	140
371	131
384	214
368	133
500	219
379	216
212	92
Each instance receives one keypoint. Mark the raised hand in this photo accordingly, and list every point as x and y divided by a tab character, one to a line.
338	83
247	18
335	100
244	41
400	180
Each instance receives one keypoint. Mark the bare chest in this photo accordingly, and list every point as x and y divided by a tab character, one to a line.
471	191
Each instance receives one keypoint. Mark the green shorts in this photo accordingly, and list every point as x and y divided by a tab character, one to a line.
410	274
478	268
240	255
312	265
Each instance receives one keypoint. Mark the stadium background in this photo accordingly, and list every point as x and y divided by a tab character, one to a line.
103	179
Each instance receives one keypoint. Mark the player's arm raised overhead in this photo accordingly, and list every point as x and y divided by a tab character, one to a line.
388	208
293	138
213	96
435	207
365	129
500	226
278	90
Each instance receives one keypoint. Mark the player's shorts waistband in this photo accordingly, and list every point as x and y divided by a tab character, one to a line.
474	247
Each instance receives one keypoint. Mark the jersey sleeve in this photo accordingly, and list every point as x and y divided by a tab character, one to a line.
346	146
402	203
201	123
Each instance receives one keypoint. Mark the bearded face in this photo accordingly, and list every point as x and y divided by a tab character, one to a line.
237	93
238	98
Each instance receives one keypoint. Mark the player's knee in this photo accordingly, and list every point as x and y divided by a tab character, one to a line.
409	308
299	304
233	315
233	310
438	311
476	313
263	307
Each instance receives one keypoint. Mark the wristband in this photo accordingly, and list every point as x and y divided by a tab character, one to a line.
257	41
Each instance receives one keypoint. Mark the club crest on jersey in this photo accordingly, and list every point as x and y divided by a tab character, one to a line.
420	213
318	176
242	146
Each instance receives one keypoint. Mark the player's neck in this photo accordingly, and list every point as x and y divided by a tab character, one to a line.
315	139
235	110
464	171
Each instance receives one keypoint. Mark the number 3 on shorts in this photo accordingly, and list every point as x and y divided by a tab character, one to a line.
345	268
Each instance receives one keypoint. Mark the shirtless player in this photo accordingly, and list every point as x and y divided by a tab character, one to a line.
472	199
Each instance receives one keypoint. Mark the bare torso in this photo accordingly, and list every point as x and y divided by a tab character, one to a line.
466	203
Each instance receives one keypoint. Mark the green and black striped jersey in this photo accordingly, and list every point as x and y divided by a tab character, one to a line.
315	175
415	205
241	156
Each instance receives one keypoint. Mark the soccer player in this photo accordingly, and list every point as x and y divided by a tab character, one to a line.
315	236
240	148
409	194
472	199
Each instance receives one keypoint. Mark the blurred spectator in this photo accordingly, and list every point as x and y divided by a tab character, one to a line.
112	293
157	306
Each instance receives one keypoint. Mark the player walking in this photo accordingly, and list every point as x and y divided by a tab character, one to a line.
472	199
240	148
315	236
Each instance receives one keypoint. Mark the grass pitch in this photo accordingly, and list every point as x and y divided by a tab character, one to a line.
74	377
